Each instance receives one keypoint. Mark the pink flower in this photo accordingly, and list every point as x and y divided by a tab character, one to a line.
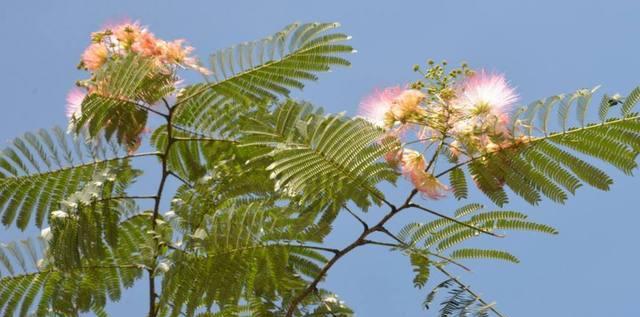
147	45
74	102
406	104
485	93
127	33
95	56
175	53
413	168
455	149
375	107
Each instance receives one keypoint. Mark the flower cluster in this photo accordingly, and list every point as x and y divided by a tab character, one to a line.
118	43
121	40
468	115
391	105
127	38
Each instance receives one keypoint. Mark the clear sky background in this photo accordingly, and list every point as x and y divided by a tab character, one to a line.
544	47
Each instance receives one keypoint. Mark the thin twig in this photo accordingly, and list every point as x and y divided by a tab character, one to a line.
456	220
184	181
179	128
151	110
362	222
304	246
124	198
202	139
403	245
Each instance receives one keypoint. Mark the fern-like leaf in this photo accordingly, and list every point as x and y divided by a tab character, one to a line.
41	170
253	73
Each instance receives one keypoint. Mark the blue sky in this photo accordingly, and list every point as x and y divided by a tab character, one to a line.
544	47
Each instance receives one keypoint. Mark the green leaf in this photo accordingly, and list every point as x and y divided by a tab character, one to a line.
484	254
33	192
333	155
260	72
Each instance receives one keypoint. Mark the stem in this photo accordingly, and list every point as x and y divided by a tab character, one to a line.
179	128
405	246
153	310
124	198
152	294
456	220
202	139
303	246
362	222
184	181
361	240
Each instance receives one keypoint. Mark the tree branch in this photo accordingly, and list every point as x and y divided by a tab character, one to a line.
362	222
184	181
153	310
361	240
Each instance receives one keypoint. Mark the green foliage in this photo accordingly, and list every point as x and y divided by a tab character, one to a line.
484	254
442	234
193	156
421	267
545	166
40	170
254	73
458	183
125	88
242	251
47	286
313	154
460	303
262	181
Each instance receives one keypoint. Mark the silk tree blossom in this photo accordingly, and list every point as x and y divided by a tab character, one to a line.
46	234
95	56
59	214
394	158
485	93
130	37
74	102
407	104
394	104
376	106
414	169
482	104
126	33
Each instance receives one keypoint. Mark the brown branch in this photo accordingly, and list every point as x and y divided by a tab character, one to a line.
153	310
184	181
361	240
362	222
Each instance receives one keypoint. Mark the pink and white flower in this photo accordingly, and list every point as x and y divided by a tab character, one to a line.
414	169
406	104
384	107
74	102
485	93
95	56
375	107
